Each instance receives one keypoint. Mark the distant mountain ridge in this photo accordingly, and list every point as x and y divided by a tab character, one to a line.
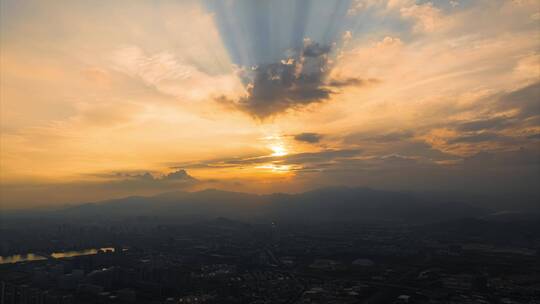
325	204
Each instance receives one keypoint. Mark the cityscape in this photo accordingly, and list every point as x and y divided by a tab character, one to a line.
164	259
270	152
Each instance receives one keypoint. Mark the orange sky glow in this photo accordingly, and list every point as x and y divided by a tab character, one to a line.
122	97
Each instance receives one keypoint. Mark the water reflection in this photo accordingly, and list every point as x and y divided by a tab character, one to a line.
56	255
21	258
69	254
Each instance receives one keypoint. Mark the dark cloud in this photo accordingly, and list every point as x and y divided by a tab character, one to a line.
504	119
508	111
142	177
398	160
534	136
378	138
308	137
321	156
402	143
337	83
514	158
478	138
291	83
516	107
526	100
316	50
282	72
128	176
178	175
422	149
496	123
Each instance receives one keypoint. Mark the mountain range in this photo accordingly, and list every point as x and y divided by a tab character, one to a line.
325	204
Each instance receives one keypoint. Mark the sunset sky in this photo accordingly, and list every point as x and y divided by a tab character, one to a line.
103	99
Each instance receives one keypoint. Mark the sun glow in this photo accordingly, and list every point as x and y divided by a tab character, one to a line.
278	150
275	168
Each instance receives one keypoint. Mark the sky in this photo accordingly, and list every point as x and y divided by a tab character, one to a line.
113	98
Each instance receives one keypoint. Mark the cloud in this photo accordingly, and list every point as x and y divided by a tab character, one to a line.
426	16
123	176
96	187
478	138
337	83
494	123
308	137
321	156
173	75
384	137
179	175
285	52
519	158
534	136
315	50
525	100
402	143
295	159
149	178
499	120
421	150
292	83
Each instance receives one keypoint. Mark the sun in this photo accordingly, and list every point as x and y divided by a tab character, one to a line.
278	150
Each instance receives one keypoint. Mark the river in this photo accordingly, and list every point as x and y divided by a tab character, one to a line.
17	258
